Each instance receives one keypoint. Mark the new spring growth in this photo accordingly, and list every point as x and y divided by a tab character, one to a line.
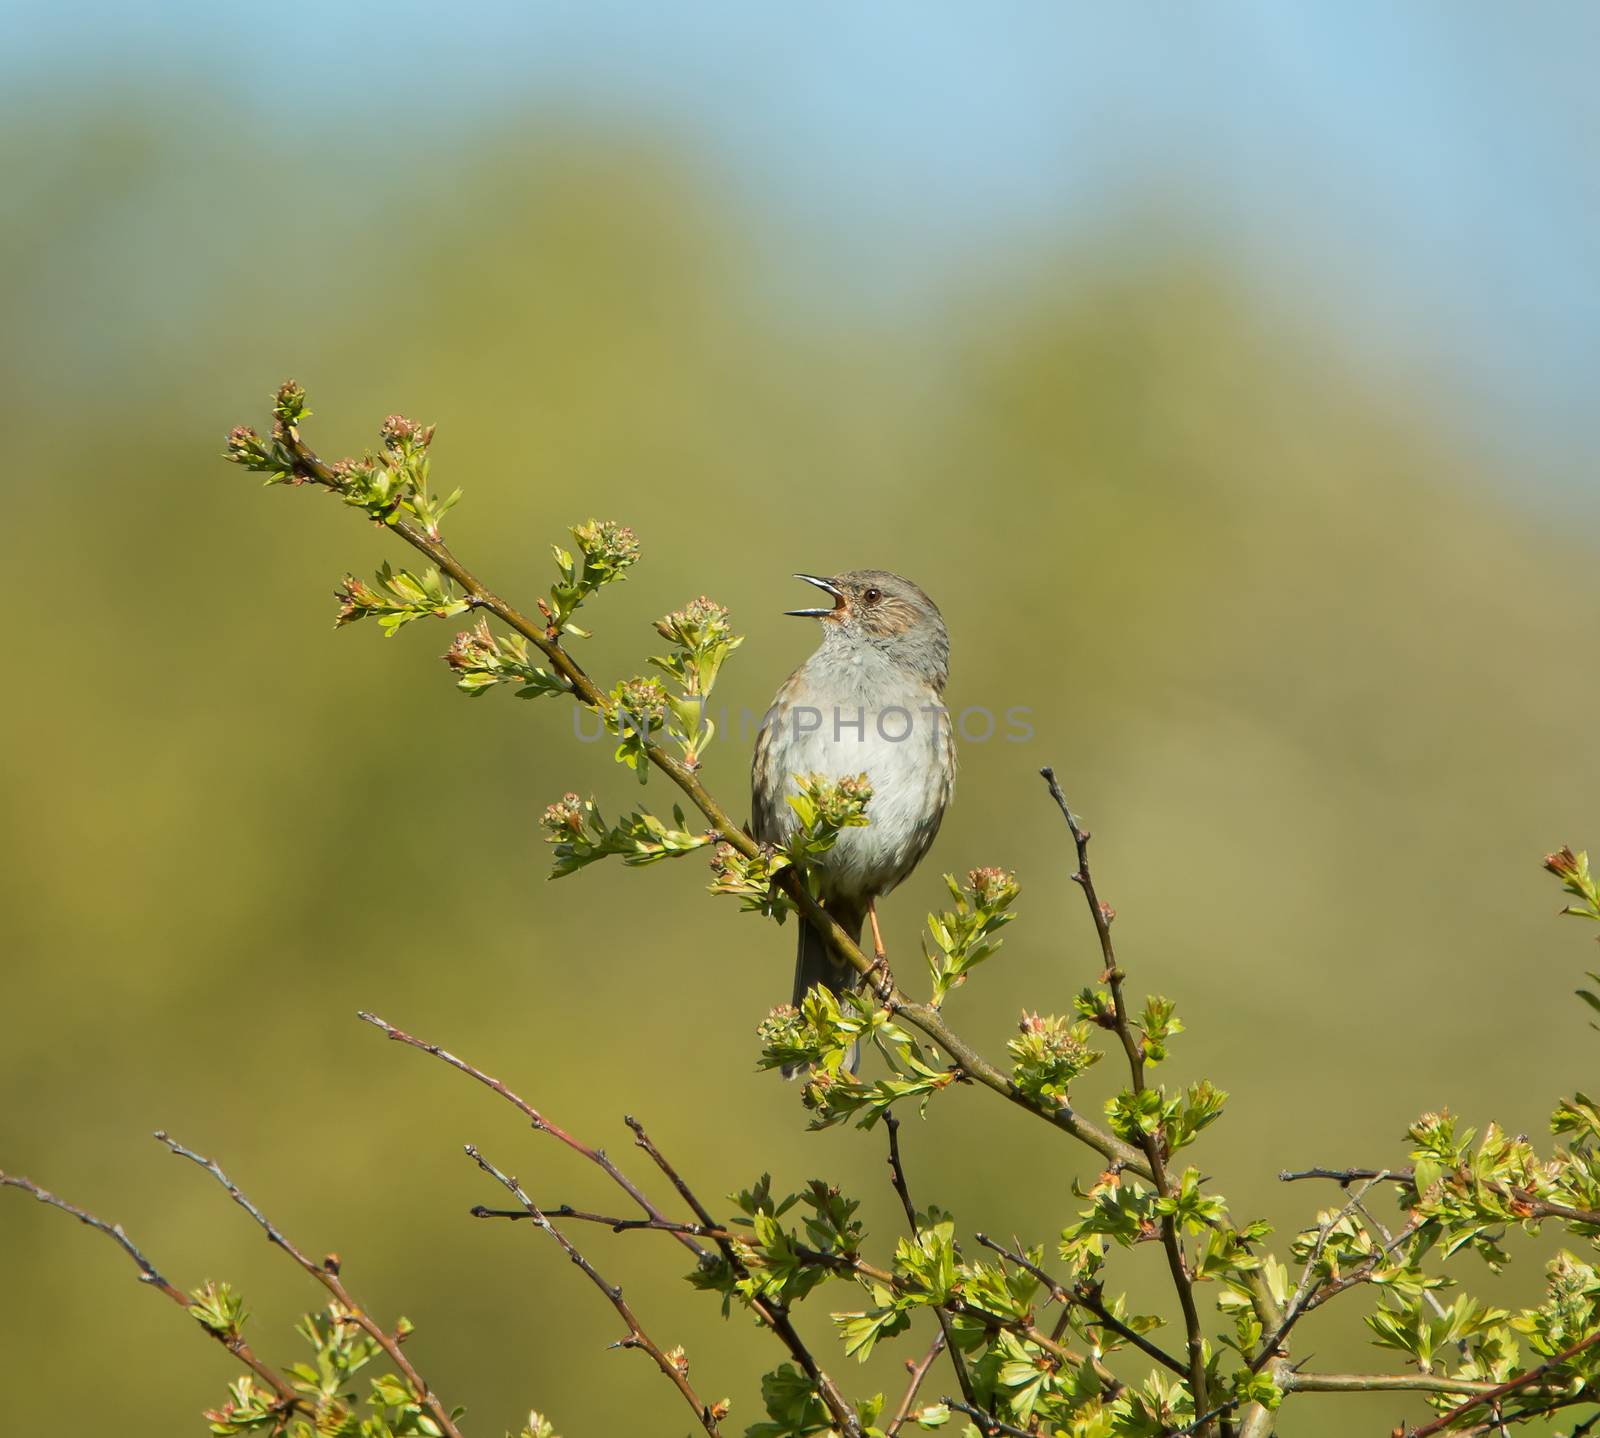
753	881
1573	871
637	710
481	659
1050	1052
826	808
819	1037
400	597
581	836
607	549
704	638
965	936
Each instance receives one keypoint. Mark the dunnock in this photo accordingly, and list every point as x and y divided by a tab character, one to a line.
868	701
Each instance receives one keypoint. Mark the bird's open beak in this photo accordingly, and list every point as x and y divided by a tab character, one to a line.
828	587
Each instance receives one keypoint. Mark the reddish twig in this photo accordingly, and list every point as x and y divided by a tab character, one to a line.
1503	1390
327	1274
288	1400
918	1369
774	1315
596	1156
674	1366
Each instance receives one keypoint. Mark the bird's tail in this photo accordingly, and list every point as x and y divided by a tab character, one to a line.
815	964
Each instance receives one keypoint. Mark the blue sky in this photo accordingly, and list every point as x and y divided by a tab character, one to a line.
1424	172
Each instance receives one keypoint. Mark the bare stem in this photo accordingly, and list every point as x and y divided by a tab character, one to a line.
1133	1049
918	1369
676	1368
1503	1390
1525	1202
685	1233
327	1274
846	1263
773	1315
541	1124
897	1176
288	1400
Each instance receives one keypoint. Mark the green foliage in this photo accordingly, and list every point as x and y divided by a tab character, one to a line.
400	597
1462	1197
329	1401
965	936
636	713
823	808
1050	1052
581	836
481	659
606	552
703	639
821	1035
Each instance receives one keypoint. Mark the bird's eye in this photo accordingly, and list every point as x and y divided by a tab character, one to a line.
872	596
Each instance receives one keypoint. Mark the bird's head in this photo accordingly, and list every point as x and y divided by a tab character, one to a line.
888	612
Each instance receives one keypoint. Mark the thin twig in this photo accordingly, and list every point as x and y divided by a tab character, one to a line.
308	466
918	1369
675	1369
327	1274
1301	1302
617	1225
897	1176
987	1422
848	1263
1513	1385
542	1124
773	1315
288	1400
1089	1303
1537	1205
1133	1049
684	1233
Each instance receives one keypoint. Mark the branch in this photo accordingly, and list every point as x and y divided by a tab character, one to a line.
1526	1380
773	1315
847	1263
675	1366
1133	1048
327	1274
897	1176
1306	1291
308	466
288	1400
541	1124
1087	1301
1537	1206
684	1233
918	1371
987	1423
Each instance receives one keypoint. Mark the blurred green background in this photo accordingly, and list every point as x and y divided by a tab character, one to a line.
1226	378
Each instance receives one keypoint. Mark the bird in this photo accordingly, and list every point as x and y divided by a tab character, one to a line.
870	700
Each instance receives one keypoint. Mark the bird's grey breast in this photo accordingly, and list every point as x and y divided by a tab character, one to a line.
852	711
